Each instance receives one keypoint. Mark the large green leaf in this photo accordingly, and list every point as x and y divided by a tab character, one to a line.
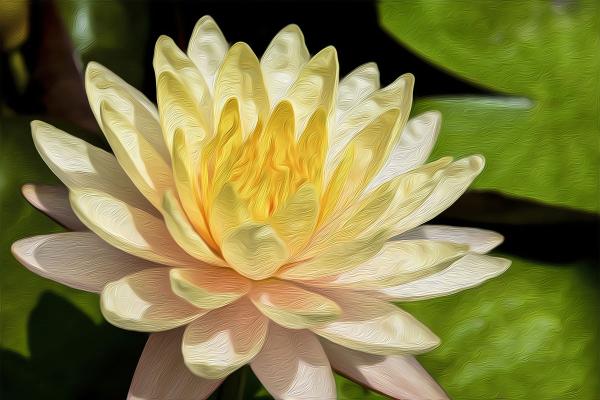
531	333
543	146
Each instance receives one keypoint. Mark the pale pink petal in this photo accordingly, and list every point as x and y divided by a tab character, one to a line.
162	375
80	260
479	240
54	202
293	365
400	377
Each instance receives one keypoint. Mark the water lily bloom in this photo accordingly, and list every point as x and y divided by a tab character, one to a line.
264	213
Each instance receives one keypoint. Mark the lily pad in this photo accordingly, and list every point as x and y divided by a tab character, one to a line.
543	144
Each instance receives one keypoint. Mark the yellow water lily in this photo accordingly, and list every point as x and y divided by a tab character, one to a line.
265	213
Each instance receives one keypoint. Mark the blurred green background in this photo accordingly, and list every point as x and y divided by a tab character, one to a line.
517	81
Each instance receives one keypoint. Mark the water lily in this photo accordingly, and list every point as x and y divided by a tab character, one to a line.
265	214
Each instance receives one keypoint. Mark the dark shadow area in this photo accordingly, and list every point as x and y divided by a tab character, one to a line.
71	357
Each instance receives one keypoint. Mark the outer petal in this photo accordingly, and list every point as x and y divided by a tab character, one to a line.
291	306
374	326
54	202
479	240
469	271
356	86
80	260
254	250
80	165
399	262
400	377
207	48
144	302
208	287
315	87
413	148
128	228
161	373
292	365
224	340
102	85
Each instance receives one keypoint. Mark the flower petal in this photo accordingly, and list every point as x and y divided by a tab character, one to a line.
413	148
145	302
283	60
102	85
355	87
455	180
80	260
240	77
54	202
400	377
80	165
469	271
227	213
296	220
479	240
145	167
184	234
224	340
162	374
315	87
292	365
398	262
184	100
128	228
207	48
254	250
208	287
374	326
291	306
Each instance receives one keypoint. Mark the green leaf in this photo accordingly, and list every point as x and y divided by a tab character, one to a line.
531	333
21	289
544	147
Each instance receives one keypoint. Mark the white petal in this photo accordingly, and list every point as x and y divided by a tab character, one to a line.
479	240
207	48
80	165
54	202
413	148
145	302
283	60
224	340
375	326
356	86
400	377
469	271
161	373
80	260
102	85
128	228
293	365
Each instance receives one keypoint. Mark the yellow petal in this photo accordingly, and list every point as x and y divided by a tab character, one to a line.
128	228
208	287
283	60
184	101
227	213
184	234
399	262
478	240
291	306
224	340
102	85
80	165
146	168
315	87
312	147
296	221
254	250
240	76
144	302
375	326
207	49
355	87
